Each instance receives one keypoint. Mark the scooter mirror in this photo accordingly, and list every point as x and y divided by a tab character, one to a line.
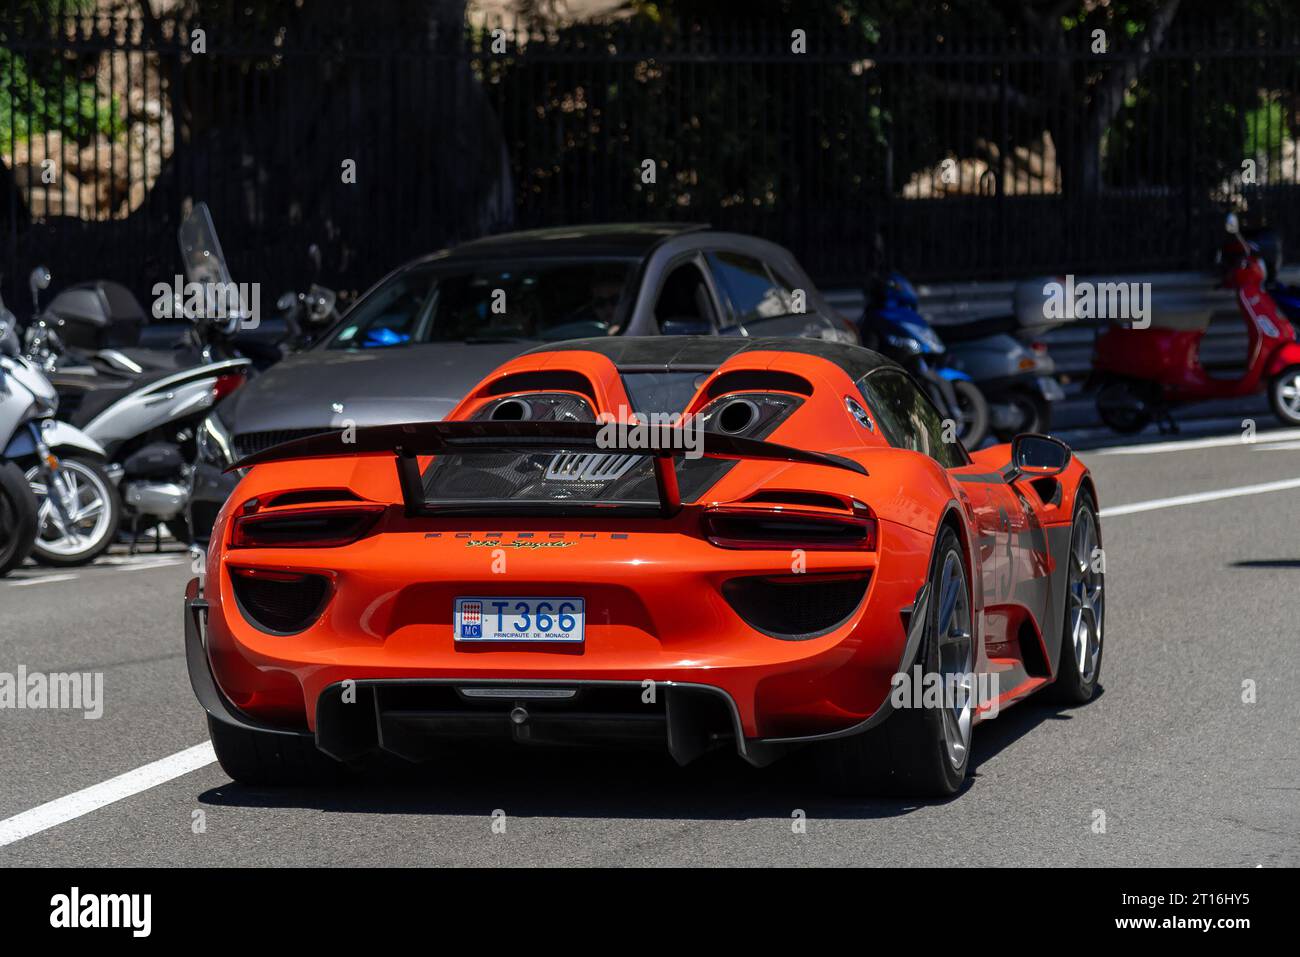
40	279
1231	224
9	345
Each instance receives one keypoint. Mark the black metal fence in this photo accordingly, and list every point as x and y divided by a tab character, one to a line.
380	136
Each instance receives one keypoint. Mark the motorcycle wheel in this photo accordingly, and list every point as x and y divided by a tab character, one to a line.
1121	408
17	517
94	521
1033	414
1284	395
973	413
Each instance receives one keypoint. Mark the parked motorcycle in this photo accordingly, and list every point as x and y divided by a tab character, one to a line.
1009	364
893	325
18	507
57	499
144	408
1143	373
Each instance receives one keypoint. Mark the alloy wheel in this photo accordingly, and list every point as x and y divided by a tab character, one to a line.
956	647
1087	599
85	500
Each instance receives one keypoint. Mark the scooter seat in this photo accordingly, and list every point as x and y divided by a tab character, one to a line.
99	398
978	329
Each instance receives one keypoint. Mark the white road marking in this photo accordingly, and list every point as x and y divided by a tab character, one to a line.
1276	447
145	565
108	564
42	580
64	809
140	561
1197	497
1213	442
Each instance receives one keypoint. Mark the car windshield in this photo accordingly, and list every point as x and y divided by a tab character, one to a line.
544	300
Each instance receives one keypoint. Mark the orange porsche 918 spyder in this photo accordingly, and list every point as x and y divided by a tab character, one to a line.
686	543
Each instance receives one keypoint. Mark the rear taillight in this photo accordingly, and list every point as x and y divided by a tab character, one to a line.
731	527
225	385
304	527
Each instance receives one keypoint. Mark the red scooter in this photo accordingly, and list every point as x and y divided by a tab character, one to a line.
1145	372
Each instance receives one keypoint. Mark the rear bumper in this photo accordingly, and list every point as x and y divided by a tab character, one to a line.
201	680
407	716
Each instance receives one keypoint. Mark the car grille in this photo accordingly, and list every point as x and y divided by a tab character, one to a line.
795	607
250	443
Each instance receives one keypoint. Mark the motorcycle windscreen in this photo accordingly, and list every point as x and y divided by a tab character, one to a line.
201	253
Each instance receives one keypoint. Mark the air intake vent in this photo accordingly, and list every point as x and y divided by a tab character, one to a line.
796	607
796	497
538	407
313	496
279	603
555	380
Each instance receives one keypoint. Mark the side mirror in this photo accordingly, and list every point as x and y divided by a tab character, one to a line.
1038	455
39	280
1232	224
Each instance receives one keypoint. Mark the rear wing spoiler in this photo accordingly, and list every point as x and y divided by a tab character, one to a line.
408	441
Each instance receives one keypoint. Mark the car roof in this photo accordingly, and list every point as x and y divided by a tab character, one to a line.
706	353
627	239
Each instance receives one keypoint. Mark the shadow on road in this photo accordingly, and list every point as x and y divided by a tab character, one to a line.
597	784
1267	563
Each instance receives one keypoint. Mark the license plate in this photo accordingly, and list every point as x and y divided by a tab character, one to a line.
519	619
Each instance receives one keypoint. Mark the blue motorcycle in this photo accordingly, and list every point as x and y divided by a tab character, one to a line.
893	325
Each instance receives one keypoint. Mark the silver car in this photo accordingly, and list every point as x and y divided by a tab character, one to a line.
425	334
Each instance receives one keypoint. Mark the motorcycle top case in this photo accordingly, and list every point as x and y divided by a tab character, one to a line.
98	315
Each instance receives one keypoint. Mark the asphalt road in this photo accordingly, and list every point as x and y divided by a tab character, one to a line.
1203	597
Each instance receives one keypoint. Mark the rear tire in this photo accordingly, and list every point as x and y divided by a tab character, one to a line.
974	410
17	517
1083	630
263	758
910	753
1121	408
1284	395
